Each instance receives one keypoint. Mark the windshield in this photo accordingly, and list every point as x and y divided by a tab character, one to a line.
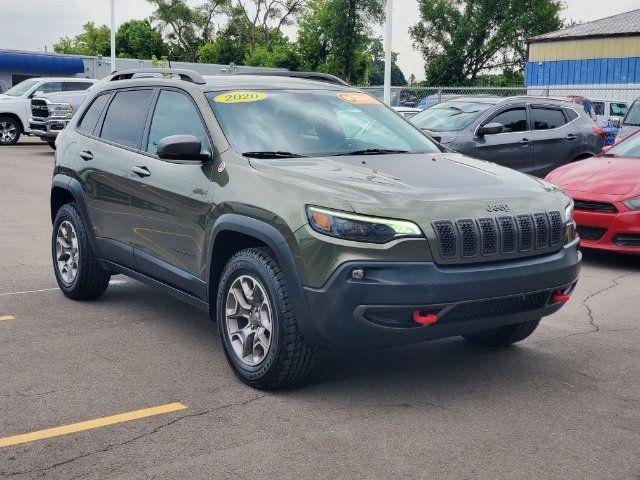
627	148
450	116
633	115
287	123
21	88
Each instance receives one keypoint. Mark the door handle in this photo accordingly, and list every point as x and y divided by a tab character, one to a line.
86	155
141	171
525	142
571	137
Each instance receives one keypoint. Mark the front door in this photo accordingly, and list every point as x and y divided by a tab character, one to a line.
514	147
170	204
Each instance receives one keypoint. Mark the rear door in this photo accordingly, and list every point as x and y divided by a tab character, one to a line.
105	167
556	138
170	199
514	147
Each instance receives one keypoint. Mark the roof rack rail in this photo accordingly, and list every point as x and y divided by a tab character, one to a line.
318	77
184	74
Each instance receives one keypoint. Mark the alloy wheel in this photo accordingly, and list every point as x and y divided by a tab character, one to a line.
248	320
67	252
8	132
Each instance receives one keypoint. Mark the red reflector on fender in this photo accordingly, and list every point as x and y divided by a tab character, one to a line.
428	319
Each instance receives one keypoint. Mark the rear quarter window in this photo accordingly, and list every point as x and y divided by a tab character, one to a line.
126	117
90	118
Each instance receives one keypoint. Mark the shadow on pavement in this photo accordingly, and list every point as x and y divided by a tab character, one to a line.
600	258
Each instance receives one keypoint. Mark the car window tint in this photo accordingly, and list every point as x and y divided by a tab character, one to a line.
598	107
75	86
174	114
92	115
618	109
513	120
50	87
571	113
547	118
125	119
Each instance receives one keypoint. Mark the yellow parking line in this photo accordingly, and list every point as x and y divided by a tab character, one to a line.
89	424
7	317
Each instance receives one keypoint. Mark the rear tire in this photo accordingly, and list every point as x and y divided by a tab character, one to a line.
10	131
79	275
256	323
502	336
52	145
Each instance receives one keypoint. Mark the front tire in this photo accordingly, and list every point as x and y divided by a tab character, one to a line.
257	327
79	275
503	336
10	131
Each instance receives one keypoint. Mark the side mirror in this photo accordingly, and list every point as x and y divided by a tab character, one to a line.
37	93
491	129
181	147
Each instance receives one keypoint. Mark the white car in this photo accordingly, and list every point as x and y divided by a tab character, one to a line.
609	112
15	103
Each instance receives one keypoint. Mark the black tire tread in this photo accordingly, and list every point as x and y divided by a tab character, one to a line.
92	280
506	335
296	356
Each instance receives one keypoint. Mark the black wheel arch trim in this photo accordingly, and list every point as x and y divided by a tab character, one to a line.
277	243
73	186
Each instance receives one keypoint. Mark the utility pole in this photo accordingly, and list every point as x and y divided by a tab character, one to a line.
387	52
113	36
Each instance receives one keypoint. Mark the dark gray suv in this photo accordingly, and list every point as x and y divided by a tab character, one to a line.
530	134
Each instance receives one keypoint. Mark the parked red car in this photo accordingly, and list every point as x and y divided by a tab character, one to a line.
606	192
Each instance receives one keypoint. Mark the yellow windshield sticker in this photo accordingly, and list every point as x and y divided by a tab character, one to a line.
358	98
240	97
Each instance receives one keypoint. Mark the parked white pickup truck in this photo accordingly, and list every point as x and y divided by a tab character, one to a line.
15	103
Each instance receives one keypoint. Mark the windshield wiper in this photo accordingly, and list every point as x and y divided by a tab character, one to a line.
370	151
274	154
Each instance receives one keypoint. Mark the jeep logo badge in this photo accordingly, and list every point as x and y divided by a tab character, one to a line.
497	207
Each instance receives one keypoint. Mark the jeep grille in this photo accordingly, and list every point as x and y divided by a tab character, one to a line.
491	237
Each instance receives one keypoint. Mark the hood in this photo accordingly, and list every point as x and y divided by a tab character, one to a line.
74	98
420	187
4	98
601	175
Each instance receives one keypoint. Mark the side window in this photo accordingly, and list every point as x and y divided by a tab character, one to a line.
126	117
90	119
547	118
618	109
513	120
50	87
75	86
175	114
598	107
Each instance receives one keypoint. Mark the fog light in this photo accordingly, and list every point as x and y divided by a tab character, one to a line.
357	273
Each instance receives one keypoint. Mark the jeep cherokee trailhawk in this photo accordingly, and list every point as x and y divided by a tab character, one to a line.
301	213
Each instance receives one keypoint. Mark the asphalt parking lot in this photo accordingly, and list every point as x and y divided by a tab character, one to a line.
150	373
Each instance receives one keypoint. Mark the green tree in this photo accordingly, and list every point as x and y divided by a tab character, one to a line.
376	70
92	41
461	39
138	39
280	56
187	28
334	37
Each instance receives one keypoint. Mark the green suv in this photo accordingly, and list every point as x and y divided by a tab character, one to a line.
301	213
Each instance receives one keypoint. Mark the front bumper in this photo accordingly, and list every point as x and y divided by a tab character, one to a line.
47	129
377	309
616	232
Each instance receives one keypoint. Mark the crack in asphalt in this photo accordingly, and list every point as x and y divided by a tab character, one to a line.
111	446
595	328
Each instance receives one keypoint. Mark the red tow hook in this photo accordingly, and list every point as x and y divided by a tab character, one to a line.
428	319
560	297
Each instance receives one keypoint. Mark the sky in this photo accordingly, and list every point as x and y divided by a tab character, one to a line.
32	24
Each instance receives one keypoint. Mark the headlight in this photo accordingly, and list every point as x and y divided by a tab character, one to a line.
62	110
360	228
633	203
568	212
